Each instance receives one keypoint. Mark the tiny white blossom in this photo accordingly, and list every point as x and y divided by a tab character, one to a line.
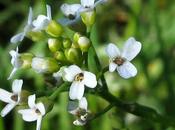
42	21
120	59
35	112
13	98
88	5
79	79
80	110
15	61
19	37
71	13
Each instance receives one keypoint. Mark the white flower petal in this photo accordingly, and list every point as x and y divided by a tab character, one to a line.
7	109
12	73
41	108
68	9
90	79
40	23
127	70
17	86
131	49
49	14
5	96
31	101
79	123
17	38
87	3
72	107
76	90
99	2
112	51
28	115
29	22
71	72
112	67
38	125
83	103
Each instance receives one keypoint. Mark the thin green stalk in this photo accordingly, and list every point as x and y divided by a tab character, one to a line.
109	107
58	90
138	110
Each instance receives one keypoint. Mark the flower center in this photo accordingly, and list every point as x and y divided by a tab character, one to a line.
79	77
14	97
37	111
119	61
71	16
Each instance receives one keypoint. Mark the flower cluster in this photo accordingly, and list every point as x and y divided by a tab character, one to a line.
68	63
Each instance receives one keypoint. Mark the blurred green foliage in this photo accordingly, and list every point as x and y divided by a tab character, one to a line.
152	22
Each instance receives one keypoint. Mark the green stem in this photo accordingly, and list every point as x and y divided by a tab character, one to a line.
104	70
137	109
58	90
102	112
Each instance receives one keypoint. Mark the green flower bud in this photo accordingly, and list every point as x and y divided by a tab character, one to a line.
88	18
36	36
73	55
48	104
45	65
54	44
26	60
76	37
59	55
54	29
84	43
67	43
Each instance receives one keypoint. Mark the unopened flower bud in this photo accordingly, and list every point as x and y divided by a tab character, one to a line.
67	43
54	29
88	18
54	44
59	55
26	59
45	65
73	55
84	44
36	35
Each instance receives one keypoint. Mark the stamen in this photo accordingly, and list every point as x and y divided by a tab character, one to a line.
71	16
37	111
79	77
119	61
14	97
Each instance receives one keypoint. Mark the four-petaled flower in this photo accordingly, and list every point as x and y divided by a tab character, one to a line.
80	110
88	5
79	78
34	113
19	37
120	59
15	61
71	12
42	21
13	98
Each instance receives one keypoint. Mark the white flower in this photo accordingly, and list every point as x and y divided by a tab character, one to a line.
42	21
19	37
79	79
15	61
71	12
120	59
13	98
34	113
80	110
88	5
